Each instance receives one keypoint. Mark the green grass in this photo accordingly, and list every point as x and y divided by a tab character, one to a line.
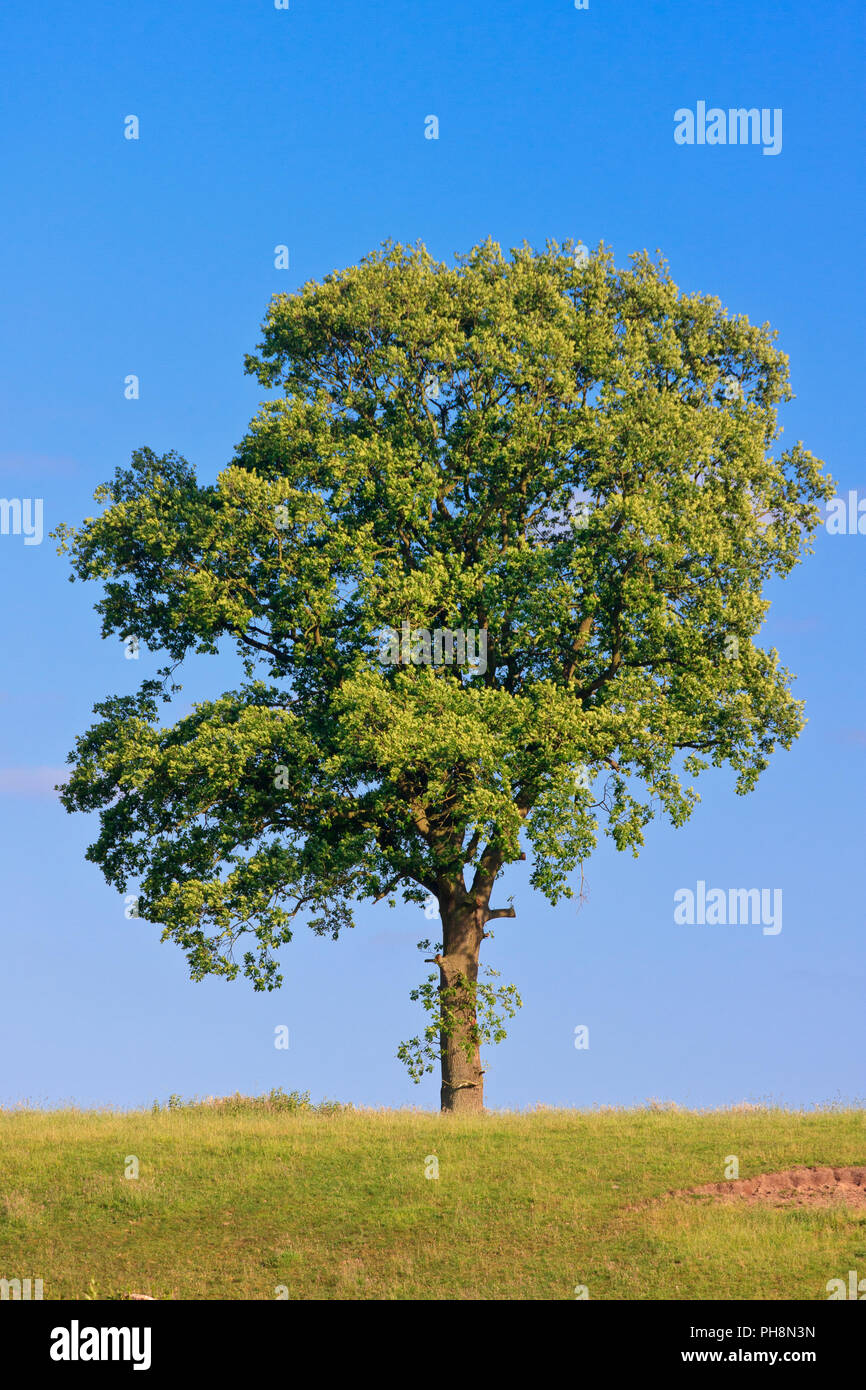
235	1199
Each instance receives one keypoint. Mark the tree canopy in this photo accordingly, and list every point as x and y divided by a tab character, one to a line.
570	459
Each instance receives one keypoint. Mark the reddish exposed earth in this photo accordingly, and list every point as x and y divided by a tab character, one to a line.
797	1187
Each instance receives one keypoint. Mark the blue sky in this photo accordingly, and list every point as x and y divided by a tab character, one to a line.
305	127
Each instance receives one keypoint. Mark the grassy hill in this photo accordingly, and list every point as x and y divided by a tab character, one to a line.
241	1199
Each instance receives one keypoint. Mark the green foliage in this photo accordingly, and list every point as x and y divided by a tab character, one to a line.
276	1100
548	451
486	1006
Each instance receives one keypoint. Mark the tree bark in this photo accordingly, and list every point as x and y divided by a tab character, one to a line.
462	933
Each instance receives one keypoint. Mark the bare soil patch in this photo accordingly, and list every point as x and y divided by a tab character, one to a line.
797	1187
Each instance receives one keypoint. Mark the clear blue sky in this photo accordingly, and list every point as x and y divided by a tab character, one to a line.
156	257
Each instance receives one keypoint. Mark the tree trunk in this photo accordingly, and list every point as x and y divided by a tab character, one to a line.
462	1078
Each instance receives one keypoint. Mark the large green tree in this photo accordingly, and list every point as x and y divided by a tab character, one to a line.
569	462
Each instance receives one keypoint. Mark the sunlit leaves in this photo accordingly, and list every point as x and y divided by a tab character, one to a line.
584	485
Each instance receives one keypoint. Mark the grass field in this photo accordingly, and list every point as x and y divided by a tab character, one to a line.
247	1200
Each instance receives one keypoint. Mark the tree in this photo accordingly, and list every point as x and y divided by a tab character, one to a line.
556	466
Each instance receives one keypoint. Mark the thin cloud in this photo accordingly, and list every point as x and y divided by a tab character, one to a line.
794	625
31	781
36	465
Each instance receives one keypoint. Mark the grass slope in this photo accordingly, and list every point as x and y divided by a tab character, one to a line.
238	1198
